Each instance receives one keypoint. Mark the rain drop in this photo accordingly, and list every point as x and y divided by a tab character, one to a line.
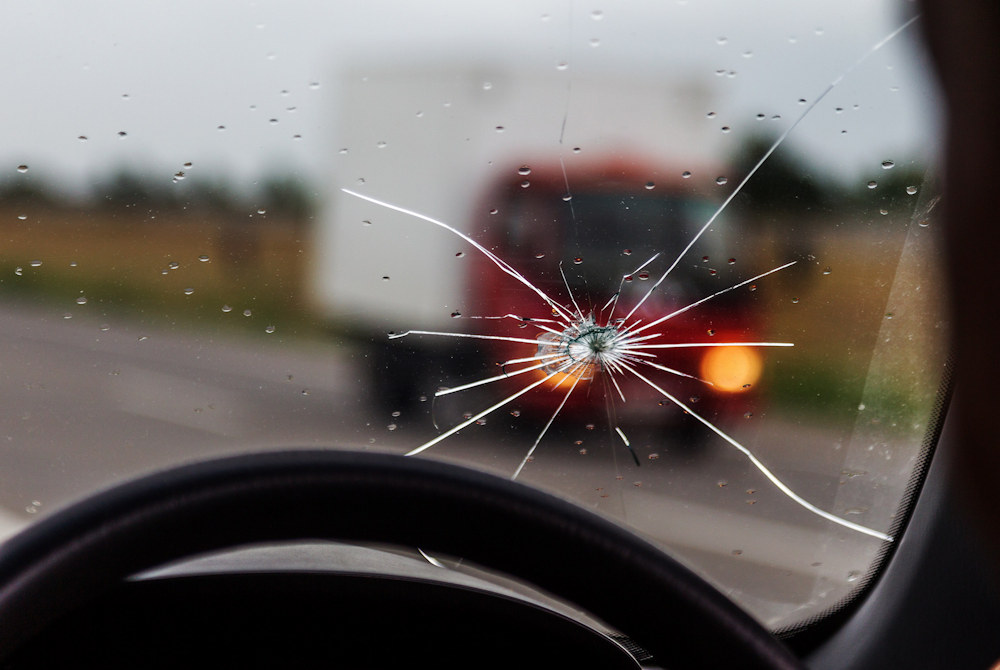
577	260
888	165
872	184
795	301
247	312
22	168
597	15
269	330
525	184
188	291
227	309
911	190
627	252
686	174
456	314
35	264
524	170
720	180
650	186
203	258
82	300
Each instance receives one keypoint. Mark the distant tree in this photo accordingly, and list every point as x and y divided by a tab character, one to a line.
288	195
784	183
134	190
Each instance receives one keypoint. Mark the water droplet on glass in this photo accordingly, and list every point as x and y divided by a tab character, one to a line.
499	129
22	168
597	15
872	184
883	212
562	65
122	134
381	144
456	314
722	483
795	301
35	264
650	186
583	451
269	330
577	150
314	85
711	332
22	217
525	184
19	271
515	413
747	415
391	426
888	165
188	291
82	138
524	170
721	40
594	42
203	258
494	210
726	129
643	276
853	576
911	190
460	254
220	128
487	86
747	54
627	252
247	312
827	270
720	180
577	260
923	223
686	174
173	265
567	197
82	300
539	255
262	211
653	456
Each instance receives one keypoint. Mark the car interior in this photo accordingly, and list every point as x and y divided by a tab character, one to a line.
833	507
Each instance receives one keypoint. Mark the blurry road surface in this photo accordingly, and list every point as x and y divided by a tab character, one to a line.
87	403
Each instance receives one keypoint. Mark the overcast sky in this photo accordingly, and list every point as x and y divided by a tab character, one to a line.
169	74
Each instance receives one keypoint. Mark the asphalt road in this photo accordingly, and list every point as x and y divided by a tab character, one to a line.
86	403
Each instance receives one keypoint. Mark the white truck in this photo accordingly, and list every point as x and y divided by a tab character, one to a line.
440	141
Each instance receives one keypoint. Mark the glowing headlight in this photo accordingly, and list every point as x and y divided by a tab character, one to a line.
731	369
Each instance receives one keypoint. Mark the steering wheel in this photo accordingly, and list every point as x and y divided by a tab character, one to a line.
82	552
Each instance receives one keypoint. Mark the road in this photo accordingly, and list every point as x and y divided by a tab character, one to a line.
87	403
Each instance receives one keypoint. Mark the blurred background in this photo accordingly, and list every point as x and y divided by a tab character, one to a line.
182	274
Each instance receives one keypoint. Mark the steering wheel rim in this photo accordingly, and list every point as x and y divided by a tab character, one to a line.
81	552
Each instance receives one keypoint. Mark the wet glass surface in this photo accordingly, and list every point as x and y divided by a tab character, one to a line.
673	261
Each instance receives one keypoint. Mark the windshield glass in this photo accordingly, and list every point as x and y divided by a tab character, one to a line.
674	261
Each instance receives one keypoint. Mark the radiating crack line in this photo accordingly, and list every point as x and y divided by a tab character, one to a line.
781	486
767	154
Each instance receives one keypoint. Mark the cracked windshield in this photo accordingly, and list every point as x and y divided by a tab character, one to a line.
674	261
